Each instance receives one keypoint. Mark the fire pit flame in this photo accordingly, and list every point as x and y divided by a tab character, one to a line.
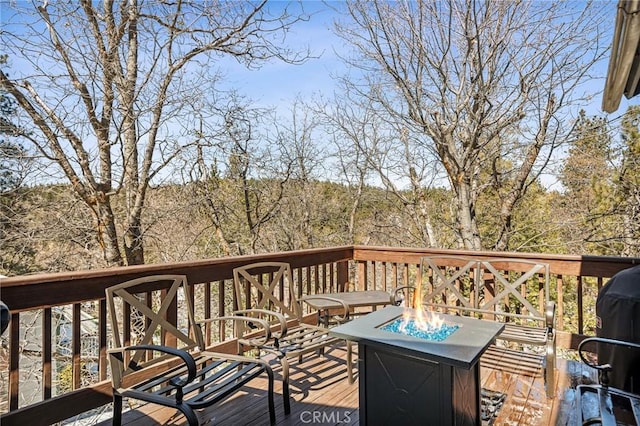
423	319
421	323
411	324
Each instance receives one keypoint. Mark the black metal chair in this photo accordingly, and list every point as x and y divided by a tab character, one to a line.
5	317
157	361
600	403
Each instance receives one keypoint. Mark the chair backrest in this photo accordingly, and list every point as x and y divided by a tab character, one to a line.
140	310
266	285
517	287
448	281
508	287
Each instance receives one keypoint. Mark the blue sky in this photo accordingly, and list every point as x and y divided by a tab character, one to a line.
277	84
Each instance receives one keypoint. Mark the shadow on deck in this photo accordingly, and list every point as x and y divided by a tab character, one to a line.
322	395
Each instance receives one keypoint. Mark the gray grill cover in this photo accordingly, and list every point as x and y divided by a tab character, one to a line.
618	317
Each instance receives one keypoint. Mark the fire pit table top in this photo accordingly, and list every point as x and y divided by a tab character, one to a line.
462	348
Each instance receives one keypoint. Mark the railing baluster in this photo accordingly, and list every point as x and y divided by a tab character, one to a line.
316	282
192	297
374	273
172	317
297	277
580	306
560	302
207	312
14	362
406	274
362	275
46	353
600	283
281	287
102	339
221	308
332	277
383	273
126	329
76	346
394	274
148	300
541	290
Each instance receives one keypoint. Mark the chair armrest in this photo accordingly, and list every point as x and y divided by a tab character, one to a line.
251	323
186	358
613	342
397	295
603	369
261	314
345	306
550	314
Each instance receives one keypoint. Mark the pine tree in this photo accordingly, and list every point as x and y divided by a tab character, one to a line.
586	177
625	199
15	255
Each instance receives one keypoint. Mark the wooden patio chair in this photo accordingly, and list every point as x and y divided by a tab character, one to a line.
162	363
266	291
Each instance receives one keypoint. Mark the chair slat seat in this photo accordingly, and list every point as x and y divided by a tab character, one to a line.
219	380
523	334
223	383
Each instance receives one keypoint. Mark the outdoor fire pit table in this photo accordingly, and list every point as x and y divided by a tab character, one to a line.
412	380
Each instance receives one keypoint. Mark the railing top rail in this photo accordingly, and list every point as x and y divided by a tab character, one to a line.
564	264
53	288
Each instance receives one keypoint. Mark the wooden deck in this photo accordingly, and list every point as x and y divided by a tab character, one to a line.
322	395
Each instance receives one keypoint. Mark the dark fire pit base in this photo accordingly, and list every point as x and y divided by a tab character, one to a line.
400	389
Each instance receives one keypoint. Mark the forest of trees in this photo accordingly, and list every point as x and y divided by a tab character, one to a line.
117	146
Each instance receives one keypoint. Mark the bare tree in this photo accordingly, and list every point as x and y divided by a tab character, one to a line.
241	174
369	144
104	89
297	139
488	87
354	171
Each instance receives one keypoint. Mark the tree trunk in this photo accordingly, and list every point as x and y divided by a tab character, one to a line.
523	178
469	235
133	246
106	233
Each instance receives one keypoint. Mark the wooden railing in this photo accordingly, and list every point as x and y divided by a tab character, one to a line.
59	323
575	280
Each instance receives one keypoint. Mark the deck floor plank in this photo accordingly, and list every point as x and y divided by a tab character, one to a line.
575	373
520	377
319	387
